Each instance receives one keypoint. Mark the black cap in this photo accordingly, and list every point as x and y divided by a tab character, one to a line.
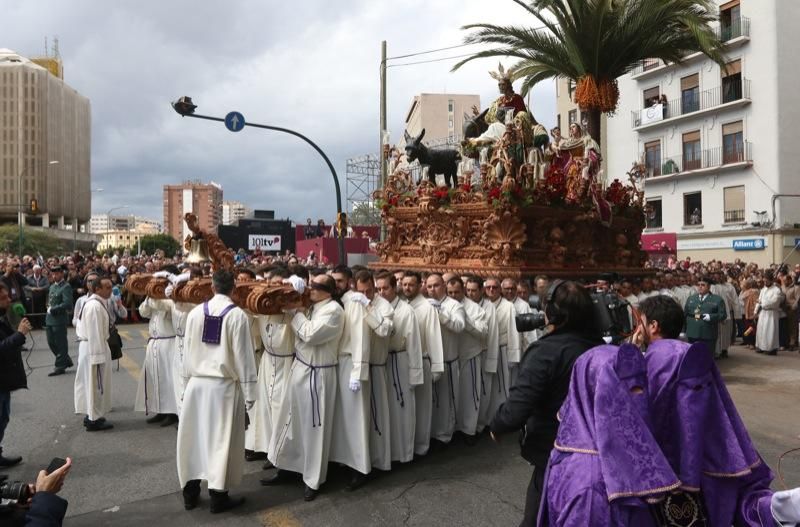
57	269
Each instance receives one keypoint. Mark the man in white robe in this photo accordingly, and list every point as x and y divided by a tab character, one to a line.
379	319
156	391
445	390
432	358
179	313
521	307
351	419
490	350
767	314
301	441
220	373
404	371
470	346
93	375
508	340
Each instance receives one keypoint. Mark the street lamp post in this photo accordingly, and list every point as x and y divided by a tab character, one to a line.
19	201
185	108
75	216
108	221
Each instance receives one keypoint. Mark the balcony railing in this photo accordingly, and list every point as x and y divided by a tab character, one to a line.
739	27
703	100
710	158
734	216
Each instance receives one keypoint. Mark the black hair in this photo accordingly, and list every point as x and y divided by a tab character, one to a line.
171	268
343	269
570	309
413	274
666	312
223	282
248	272
475	279
299	271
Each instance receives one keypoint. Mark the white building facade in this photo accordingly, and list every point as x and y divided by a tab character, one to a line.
720	144
232	211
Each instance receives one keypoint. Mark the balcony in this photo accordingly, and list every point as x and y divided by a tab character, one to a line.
711	161
734	216
725	96
734	35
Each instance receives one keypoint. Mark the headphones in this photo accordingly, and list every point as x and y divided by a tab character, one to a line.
554	314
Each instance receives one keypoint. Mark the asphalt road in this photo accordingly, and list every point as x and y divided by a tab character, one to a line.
127	476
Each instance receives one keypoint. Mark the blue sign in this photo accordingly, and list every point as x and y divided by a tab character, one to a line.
796	242
753	244
234	121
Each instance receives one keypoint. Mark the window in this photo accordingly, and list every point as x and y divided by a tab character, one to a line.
732	143
693	208
651	96
732	82
570	87
450	106
573	117
692	155
653	213
734	204
652	158
690	93
730	20
558	121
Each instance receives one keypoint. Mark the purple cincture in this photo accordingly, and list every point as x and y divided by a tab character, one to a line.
212	325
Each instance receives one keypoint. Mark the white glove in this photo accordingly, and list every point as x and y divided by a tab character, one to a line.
298	283
435	303
355	386
168	291
682	336
706	318
161	274
361	298
180	278
435	376
248	405
48	310
786	506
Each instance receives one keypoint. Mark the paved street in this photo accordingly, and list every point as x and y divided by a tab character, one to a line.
127	476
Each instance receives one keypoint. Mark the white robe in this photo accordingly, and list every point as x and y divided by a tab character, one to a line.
471	341
769	300
304	425
156	392
219	379
508	339
404	373
726	326
380	321
273	381
445	390
93	375
180	312
351	420
430	332
490	355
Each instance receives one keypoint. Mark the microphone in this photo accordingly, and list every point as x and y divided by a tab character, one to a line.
19	310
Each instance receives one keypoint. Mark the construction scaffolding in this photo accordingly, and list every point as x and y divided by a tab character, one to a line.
363	178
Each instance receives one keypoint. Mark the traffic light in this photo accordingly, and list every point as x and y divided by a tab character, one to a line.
34	206
341	224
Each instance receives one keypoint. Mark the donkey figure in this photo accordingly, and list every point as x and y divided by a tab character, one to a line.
443	161
474	125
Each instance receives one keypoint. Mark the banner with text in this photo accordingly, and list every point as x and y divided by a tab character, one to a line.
264	242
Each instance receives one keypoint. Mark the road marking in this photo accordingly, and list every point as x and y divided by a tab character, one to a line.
130	366
125	334
280	517
144	333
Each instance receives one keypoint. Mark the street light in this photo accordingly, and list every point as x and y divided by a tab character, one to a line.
75	216
19	201
108	221
186	108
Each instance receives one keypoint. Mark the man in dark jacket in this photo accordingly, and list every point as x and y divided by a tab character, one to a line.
59	305
543	383
12	371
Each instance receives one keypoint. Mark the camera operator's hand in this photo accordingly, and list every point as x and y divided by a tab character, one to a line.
24	326
637	339
54	481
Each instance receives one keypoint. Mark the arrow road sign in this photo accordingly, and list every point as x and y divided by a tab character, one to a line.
234	121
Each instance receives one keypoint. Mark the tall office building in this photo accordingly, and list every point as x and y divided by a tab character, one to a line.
204	200
440	114
233	211
45	141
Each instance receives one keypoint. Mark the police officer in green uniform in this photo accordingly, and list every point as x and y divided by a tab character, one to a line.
704	311
59	302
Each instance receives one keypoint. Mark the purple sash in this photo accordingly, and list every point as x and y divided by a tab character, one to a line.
212	325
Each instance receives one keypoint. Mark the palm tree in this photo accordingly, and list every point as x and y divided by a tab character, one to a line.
594	42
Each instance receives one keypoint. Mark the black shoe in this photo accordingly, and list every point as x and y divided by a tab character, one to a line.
356	482
470	440
724	354
169	420
772	353
87	421
309	494
191	494
221	502
267	465
57	372
249	455
9	461
98	426
281	477
156	419
759	351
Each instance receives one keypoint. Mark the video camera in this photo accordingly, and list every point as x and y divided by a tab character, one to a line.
15	490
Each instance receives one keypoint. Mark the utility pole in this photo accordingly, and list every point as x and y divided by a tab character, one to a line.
383	114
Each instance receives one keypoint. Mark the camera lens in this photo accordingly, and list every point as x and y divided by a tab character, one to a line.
15	490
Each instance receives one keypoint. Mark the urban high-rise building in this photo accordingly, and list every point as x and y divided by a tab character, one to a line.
202	199
440	114
45	141
103	222
233	211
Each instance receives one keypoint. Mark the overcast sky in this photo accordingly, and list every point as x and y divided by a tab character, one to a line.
311	65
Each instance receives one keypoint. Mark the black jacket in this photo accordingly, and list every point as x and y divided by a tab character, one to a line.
12	371
539	391
47	510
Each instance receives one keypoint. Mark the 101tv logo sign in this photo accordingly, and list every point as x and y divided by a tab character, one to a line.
264	242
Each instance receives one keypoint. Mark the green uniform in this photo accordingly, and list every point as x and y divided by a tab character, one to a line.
59	301
697	329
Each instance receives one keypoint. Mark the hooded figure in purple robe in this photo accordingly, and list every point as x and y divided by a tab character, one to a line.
724	481
606	467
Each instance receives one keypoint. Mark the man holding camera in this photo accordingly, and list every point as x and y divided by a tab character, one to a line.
12	371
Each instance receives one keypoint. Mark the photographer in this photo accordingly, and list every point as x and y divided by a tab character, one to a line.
543	382
37	505
12	371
